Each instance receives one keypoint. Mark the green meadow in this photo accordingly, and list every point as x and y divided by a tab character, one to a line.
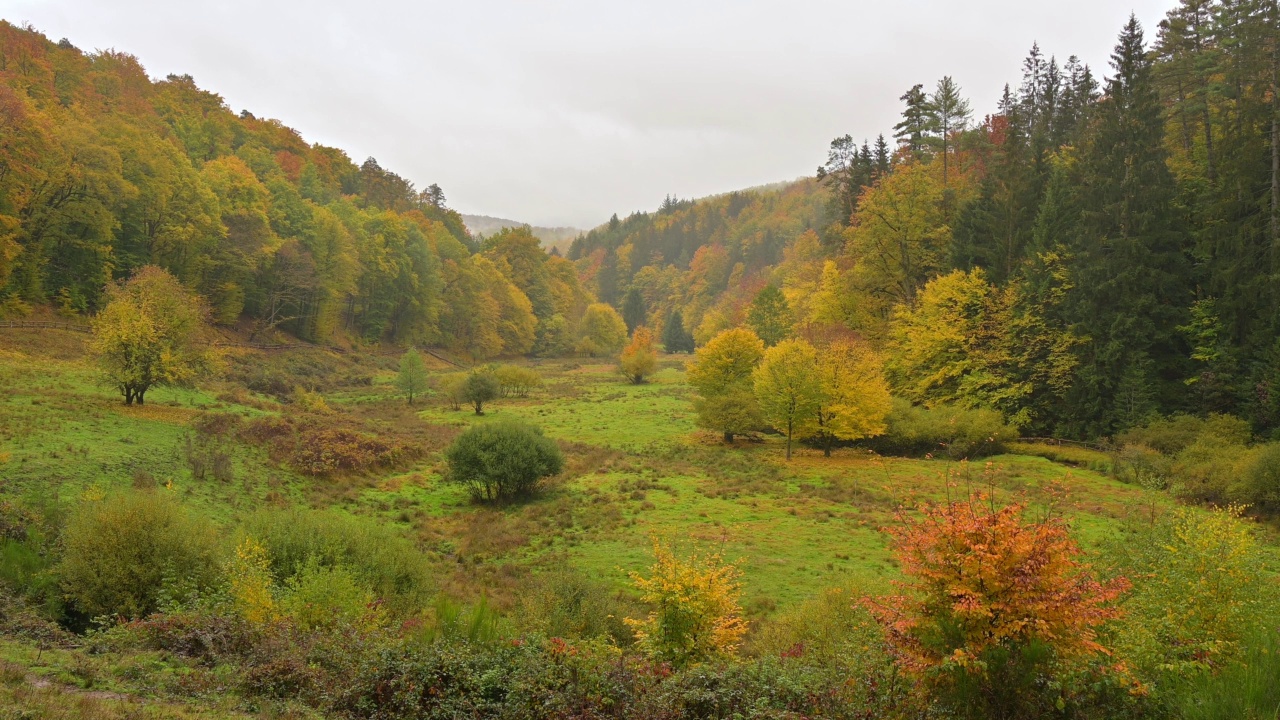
638	470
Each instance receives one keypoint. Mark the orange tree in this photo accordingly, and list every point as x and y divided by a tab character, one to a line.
996	609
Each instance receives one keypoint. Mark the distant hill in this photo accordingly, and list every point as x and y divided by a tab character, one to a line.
557	237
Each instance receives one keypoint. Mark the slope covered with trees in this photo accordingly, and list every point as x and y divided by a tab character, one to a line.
104	171
1096	252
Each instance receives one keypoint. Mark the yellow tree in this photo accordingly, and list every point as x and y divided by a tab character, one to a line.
149	334
721	374
899	236
602	331
969	343
695	614
639	358
854	399
788	389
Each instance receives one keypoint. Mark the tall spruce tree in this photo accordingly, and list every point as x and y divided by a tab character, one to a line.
1130	273
675	339
633	310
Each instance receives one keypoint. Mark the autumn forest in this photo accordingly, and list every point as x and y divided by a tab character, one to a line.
981	420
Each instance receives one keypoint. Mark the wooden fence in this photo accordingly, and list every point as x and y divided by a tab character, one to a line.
269	347
45	325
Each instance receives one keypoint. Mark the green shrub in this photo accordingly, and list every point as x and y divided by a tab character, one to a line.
1259	480
516	381
502	461
1143	466
1197	591
566	603
450	388
119	553
1175	433
1206	470
381	560
319	597
479	388
947	430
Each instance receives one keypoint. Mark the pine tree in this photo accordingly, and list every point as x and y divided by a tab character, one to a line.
913	131
948	113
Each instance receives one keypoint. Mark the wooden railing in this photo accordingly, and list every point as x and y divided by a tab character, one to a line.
1060	442
45	325
269	347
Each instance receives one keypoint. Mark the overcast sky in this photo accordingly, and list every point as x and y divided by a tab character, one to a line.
561	113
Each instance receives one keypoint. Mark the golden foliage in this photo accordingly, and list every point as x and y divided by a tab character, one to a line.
696	616
639	358
251	582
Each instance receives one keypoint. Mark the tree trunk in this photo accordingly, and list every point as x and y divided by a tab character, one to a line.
788	439
728	437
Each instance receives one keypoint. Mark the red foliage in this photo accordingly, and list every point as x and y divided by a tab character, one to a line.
984	579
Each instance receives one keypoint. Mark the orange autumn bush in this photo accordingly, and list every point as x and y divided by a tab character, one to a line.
996	610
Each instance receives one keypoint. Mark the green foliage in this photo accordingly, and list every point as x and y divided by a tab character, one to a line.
1199	585
517	381
412	378
117	553
944	431
721	372
375	555
1245	687
502	461
675	338
320	596
602	331
480	387
769	316
633	310
1260	481
788	388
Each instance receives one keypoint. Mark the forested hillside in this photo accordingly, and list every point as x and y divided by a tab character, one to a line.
1100	249
103	171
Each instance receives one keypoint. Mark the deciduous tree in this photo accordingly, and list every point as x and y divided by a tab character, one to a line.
602	331
412	378
788	388
721	374
150	334
639	358
696	616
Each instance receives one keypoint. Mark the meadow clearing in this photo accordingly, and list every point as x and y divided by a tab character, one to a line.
637	469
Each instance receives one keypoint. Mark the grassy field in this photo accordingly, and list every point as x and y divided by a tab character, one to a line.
638	469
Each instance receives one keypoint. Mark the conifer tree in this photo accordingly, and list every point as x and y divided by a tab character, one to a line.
1129	269
633	310
913	130
948	113
674	336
